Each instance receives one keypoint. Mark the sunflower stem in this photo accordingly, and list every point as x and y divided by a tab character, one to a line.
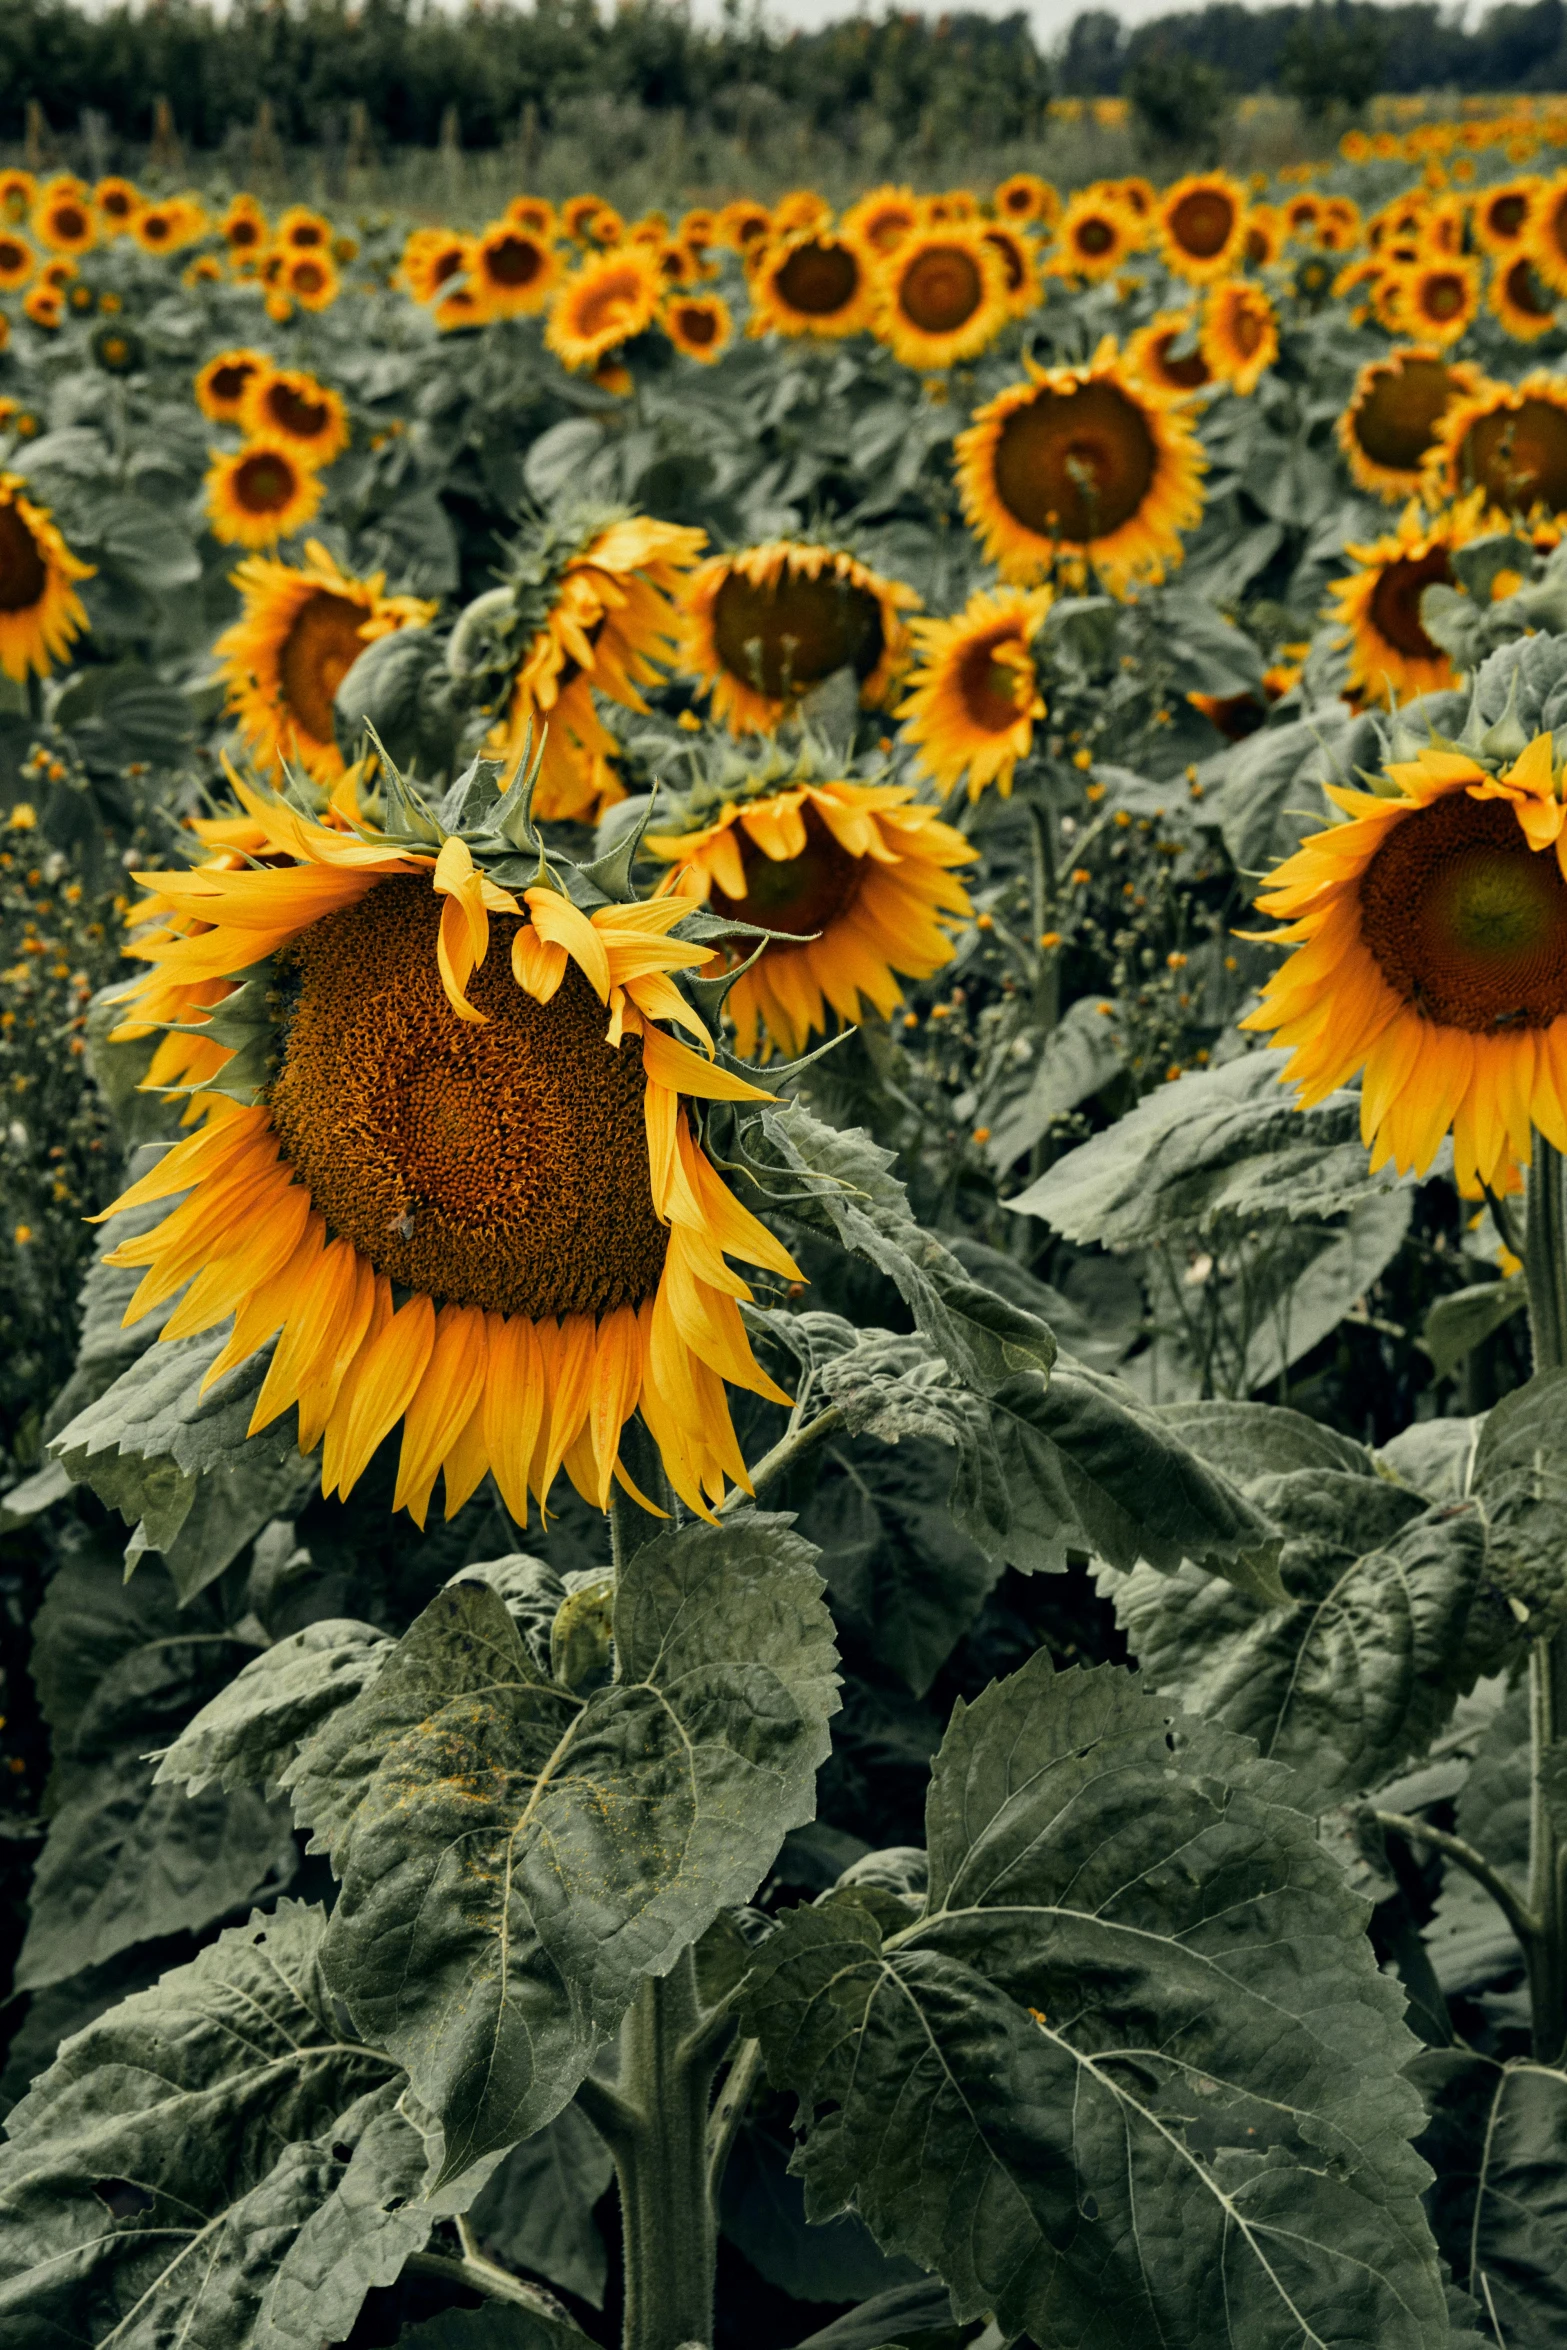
1545	1270
666	2076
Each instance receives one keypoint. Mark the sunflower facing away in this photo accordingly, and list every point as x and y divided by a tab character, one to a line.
1202	226
974	695
942	296
813	283
859	864
40	612
1083	462
288	405
1379	604
260	494
1389	424
1509	440
1430	938
602	305
766	624
471	1109
299	634
1240	333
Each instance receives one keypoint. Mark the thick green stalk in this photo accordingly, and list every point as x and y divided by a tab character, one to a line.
666	2077
1545	1266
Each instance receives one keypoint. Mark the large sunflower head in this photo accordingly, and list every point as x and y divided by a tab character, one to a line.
1096	233
1167	353
1509	440
1520	299
974	693
765	625
514	268
1378	605
1086	462
1202	226
63	217
260	493
300	631
222	384
815	282
603	304
40	612
1389	424
287	404
858	878
1430	954
883	218
700	325
1240	333
942	296
453	1178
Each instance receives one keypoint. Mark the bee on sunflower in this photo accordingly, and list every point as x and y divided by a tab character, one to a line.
299	633
449	1165
941	297
1378	605
288	405
974	696
1389	423
1429	953
603	304
764	625
812	282
41	614
261	493
1509	440
1240	333
1082	462
1202	226
856	881
1097	233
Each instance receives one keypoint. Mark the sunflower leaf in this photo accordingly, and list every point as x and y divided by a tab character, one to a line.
252	1729
1464	1318
1134	2073
1521	1480
515	1859
1498	2139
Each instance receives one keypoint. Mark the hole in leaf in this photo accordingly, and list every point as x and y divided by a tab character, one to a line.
396	2203
342	2153
1090	2207
123	2198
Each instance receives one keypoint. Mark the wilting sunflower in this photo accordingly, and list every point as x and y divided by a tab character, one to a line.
1024	197
17	262
883	218
260	494
1019	269
40	612
431	259
1240	333
766	624
1151	354
1083	462
1519	297
1379	603
1502	215
1202	226
603	587
515	270
1096	234
300	631
1509	440
941	297
974	693
700	325
1440	299
812	282
1430	938
1389	424
859	864
474	1110
63	218
288	405
1545	239
602	305
311	280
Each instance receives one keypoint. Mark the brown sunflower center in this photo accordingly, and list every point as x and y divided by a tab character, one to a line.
1395	421
1466	921
819	279
13	255
1095	237
1202	222
295	413
1442	297
990	688
941	289
228	383
502	1166
800	895
244	232
69	221
785	635
1556	225
1005	246
698	324
318	652
263	482
513	261
1075	465
1395	602
1525	291
1519	454
307	277
1190	373
1507	214
23	573
305	234
156	227
116	202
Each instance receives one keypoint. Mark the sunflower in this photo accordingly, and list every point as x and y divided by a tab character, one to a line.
602	305
883	218
1081	461
1440	299
744	225
857	864
1264	236
812	282
801	208
1390	420
1096	234
1545	238
1520	299
1341	226
1202	226
974	693
698	228
699	325
1019	270
1023	198
17	191
1502	215
941	297
534	215
287	405
260	494
605	228
311	279
576	215
1509	440
514	269
611	581
766	624
302	231
63	219
17	262
462	307
1430	938
1240	333
244	228
954	205
58	272
1138	195
40	612
472	1111
45	306
1151	353
431	259
1301	216
1379	603
117	351
299	633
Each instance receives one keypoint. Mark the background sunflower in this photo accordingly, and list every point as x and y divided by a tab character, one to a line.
766	624
974	694
40	612
1388	426
1379	604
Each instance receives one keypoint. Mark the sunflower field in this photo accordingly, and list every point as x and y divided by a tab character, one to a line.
784	1018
